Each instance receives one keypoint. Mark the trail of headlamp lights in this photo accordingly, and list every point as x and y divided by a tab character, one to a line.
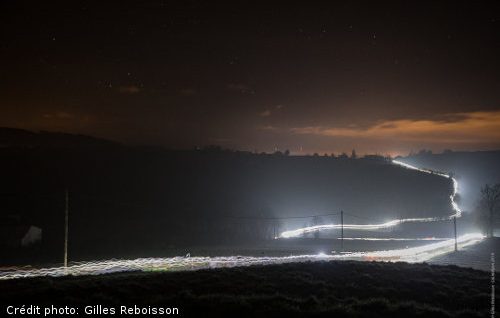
311	229
392	239
420	253
414	254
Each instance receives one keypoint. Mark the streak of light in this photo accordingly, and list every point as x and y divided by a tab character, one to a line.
422	253
392	239
414	254
458	213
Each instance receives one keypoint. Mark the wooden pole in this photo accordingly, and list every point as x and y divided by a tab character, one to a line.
66	215
455	227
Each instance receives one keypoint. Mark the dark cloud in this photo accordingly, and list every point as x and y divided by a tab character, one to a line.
130	89
187	91
59	115
265	113
240	87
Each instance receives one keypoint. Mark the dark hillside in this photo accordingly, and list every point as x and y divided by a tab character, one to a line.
146	199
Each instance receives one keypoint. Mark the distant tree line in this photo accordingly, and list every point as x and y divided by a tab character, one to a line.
286	152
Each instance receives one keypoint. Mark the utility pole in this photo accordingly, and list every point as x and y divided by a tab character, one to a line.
455	227
342	230
66	212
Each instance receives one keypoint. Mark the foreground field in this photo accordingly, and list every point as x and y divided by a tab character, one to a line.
340	289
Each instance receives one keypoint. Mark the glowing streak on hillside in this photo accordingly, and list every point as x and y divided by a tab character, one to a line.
311	229
414	254
392	239
421	253
411	255
454	205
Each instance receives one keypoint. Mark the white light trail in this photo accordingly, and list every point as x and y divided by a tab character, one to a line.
311	229
421	253
392	239
458	212
414	254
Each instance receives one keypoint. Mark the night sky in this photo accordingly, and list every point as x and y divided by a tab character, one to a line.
380	77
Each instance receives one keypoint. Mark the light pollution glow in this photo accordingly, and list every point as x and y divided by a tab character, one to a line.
473	127
479	130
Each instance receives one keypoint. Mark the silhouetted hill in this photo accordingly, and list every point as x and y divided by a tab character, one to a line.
13	137
472	169
127	198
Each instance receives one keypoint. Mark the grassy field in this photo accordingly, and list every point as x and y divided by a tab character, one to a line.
321	289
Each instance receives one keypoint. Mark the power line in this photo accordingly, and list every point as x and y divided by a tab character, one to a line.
361	217
279	218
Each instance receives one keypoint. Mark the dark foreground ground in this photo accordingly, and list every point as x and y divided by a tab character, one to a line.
321	289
